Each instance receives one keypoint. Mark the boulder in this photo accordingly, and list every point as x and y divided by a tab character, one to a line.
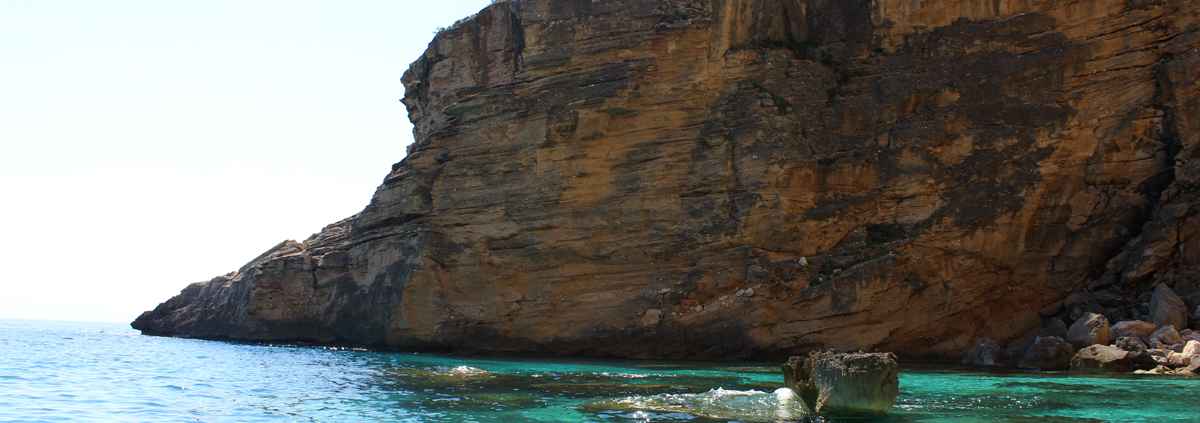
1090	329
1048	353
1182	364
1016	349
1177	360
1189	335
1166	308
1133	328
1159	356
1052	327
845	383
985	353
1110	359
1131	344
1165	337
1193	367
1192	349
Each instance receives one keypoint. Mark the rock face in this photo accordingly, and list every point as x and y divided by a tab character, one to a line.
1048	353
1091	329
878	174
1110	359
838	384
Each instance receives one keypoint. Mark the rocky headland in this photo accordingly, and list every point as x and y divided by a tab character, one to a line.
1016	180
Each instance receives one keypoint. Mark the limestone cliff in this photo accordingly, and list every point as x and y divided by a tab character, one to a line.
731	178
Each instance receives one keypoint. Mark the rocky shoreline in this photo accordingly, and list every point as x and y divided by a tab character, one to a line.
1092	344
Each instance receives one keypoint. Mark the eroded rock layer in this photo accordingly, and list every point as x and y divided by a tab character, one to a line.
731	178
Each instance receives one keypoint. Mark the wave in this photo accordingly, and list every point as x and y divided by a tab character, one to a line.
726	404
464	371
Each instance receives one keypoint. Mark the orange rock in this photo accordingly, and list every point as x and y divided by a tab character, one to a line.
944	171
1133	328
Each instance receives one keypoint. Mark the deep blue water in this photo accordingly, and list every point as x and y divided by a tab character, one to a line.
52	371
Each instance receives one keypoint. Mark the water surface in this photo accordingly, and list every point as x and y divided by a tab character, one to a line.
51	371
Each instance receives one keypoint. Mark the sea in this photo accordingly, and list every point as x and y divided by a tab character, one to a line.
100	372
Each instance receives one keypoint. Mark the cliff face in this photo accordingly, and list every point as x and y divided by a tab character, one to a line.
702	178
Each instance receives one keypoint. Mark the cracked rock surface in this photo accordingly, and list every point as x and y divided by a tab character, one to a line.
754	178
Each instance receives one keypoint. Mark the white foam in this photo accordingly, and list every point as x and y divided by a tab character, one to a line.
720	403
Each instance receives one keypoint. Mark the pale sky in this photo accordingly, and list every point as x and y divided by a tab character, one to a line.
148	144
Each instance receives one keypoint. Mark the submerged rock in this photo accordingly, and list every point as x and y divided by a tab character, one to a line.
1167	309
845	383
1090	329
1110	359
442	376
1048	353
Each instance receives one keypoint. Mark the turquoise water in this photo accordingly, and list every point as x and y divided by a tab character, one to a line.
103	372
